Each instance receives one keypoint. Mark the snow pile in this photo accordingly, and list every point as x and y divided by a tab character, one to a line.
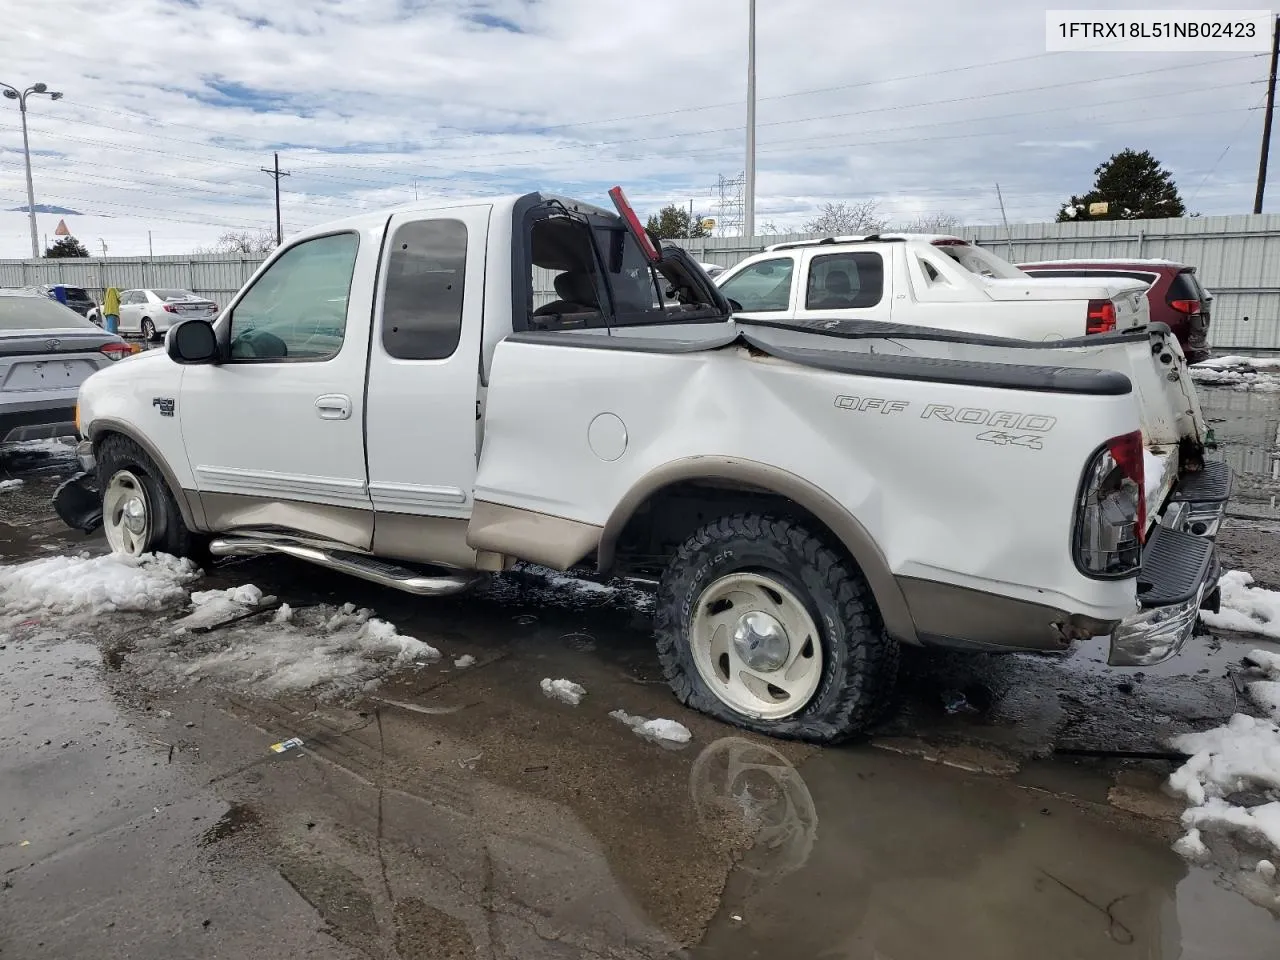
1232	784
464	661
1249	373
95	585
1245	608
664	731
566	691
9	485
324	650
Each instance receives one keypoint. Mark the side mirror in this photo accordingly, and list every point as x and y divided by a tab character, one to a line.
191	342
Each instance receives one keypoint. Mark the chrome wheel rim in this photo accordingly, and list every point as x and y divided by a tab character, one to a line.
756	646
126	514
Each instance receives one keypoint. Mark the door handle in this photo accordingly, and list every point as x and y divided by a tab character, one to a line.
333	406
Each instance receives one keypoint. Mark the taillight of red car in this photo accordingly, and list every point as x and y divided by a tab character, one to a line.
1101	317
1189	307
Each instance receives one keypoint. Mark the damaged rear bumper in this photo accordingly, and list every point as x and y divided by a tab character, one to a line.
1180	571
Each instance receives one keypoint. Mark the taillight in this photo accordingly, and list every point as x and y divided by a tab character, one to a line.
1101	317
118	351
1111	514
170	308
1185	306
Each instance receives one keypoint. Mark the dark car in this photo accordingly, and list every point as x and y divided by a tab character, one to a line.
1174	294
46	351
78	298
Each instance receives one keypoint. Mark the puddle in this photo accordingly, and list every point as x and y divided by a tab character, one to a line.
868	855
1247	427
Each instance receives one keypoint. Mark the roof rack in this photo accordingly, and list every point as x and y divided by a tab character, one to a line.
825	241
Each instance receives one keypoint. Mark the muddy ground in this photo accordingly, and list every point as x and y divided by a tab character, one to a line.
459	813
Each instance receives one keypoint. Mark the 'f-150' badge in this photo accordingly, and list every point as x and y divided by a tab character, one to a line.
165	404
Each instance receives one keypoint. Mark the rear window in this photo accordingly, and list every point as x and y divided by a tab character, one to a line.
38	313
75	293
175	294
1185	286
982	262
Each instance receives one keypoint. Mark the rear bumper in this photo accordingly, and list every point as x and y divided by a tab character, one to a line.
37	421
1180	571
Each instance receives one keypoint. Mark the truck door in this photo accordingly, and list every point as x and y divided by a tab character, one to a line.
424	366
275	433
850	284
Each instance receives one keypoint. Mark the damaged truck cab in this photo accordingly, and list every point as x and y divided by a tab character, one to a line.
424	396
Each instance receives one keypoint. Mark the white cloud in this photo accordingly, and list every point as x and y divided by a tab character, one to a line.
172	106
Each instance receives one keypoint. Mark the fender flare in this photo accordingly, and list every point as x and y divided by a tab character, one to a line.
770	479
192	513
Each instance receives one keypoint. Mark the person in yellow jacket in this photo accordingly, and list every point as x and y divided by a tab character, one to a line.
111	310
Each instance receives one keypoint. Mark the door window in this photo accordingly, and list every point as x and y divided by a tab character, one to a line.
762	287
297	309
422	305
845	281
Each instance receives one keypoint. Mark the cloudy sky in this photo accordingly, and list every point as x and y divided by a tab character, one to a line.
172	106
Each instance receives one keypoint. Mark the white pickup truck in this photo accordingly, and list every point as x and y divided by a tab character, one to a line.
390	397
926	280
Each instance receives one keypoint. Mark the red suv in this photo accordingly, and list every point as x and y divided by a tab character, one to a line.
1175	295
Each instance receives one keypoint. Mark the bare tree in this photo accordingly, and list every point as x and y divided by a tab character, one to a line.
933	223
862	216
245	243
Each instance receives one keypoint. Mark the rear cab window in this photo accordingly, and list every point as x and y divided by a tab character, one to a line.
422	305
585	270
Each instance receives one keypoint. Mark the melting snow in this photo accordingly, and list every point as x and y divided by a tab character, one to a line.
464	661
1242	757
1248	373
7	485
95	585
661	730
328	650
566	691
1245	608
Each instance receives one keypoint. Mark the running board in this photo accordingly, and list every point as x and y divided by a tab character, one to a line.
357	565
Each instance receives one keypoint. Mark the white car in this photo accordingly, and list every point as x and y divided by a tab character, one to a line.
925	280
150	313
387	398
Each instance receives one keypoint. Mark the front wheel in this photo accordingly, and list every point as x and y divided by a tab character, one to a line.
139	512
761	624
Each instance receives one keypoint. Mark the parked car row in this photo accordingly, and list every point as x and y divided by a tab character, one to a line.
147	313
897	278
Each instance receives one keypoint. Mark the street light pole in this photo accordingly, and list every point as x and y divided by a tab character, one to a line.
12	93
749	195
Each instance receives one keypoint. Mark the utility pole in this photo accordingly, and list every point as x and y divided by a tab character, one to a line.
13	93
104	244
1007	235
749	198
150	251
275	175
1266	120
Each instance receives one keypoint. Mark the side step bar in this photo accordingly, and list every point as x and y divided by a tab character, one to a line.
357	565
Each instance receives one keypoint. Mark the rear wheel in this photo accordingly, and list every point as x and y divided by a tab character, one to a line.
148	329
139	512
761	624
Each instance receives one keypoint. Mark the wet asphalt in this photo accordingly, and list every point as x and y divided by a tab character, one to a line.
460	813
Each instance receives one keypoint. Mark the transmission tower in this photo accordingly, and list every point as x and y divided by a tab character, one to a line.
729	208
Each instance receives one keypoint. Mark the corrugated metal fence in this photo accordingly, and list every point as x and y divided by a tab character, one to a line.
1238	260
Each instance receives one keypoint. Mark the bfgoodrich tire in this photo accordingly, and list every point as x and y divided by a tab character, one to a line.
139	512
761	624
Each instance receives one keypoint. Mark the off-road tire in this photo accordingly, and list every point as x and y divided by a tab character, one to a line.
860	660
169	534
